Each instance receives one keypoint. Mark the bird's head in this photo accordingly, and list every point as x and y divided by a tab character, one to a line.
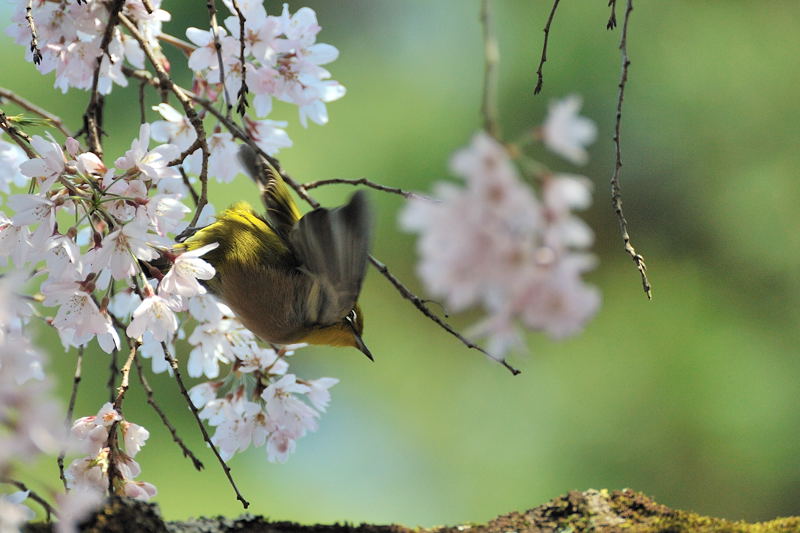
347	332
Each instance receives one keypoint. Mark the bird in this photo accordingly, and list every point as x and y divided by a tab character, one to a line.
290	278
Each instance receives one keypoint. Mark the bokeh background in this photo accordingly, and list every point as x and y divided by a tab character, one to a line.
692	398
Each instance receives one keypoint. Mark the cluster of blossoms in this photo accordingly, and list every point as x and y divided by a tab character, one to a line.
91	434
494	243
31	419
70	36
91	233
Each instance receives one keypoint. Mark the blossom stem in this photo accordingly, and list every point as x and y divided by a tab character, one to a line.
76	380
48	508
179	379
616	191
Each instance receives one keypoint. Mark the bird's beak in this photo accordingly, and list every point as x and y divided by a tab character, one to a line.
359	341
363	347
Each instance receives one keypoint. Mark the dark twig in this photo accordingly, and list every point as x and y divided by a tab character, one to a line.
192	192
612	19
157	408
142	109
212	18
540	79
18	136
112	375
92	117
367	183
166	83
48	509
37	54
113	470
177	372
33	108
616	191
241	107
236	131
76	380
425	310
491	54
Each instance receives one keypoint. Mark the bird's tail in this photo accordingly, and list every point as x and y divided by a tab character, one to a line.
282	211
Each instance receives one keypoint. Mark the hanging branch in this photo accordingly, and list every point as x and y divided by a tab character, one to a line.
612	18
37	53
18	136
165	83
48	509
212	19
76	380
491	54
157	408
33	108
367	183
112	375
93	116
173	363
540	79
241	107
616	191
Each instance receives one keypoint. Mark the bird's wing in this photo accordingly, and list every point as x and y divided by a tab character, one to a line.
332	246
282	212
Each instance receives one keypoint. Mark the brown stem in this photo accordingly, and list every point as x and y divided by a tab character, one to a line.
540	79
18	136
157	408
212	18
33	108
177	372
166	83
76	380
491	54
616	191
367	183
48	509
92	117
241	107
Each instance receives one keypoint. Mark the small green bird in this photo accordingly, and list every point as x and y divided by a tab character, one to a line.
290	277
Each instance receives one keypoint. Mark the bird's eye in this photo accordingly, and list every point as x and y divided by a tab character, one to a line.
352	316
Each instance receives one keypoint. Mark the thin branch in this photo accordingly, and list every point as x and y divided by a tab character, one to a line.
188	184
185	47
367	183
166	83
540	79
142	108
612	18
33	108
92	117
491	54
243	90
212	18
18	136
236	131
616	191
48	509
113	470
76	380
157	408
37	53
112	375
177	372
425	310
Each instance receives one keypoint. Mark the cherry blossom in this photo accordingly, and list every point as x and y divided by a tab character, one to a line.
566	133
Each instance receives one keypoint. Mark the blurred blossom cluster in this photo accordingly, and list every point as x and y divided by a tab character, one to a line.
70	35
98	242
494	242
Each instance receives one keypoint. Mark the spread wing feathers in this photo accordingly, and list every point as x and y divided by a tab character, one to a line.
332	246
282	212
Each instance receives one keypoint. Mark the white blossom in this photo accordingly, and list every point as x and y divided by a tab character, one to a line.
566	133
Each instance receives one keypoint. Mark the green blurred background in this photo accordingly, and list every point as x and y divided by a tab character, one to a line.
691	398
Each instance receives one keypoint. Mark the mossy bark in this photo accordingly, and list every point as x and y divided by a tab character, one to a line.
591	510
